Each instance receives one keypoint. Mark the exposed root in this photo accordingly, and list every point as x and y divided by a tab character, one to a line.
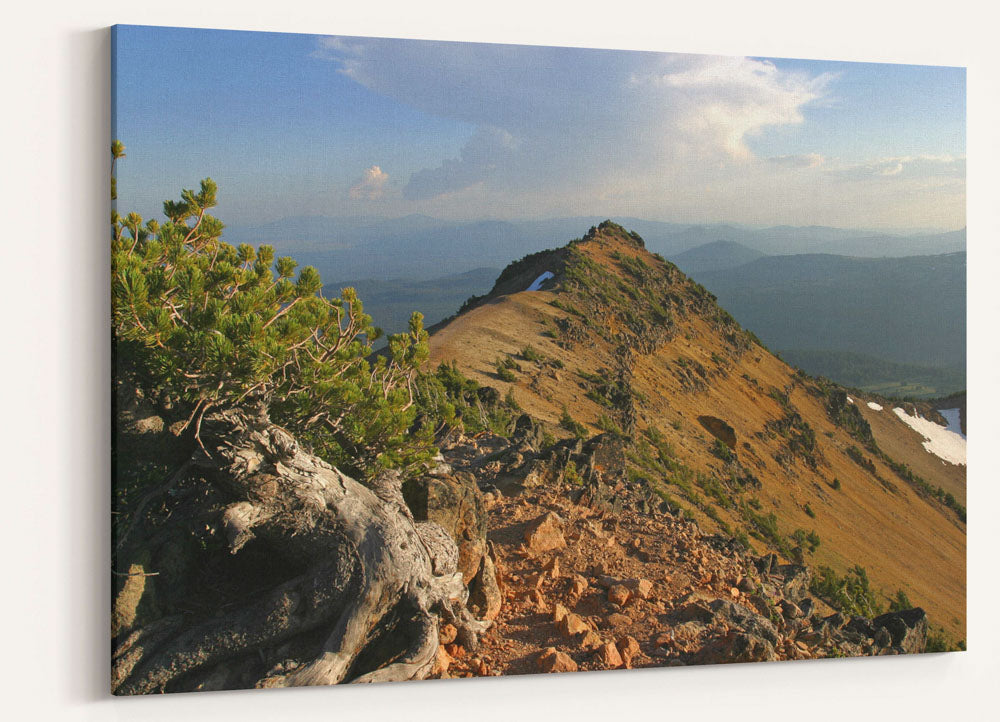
380	585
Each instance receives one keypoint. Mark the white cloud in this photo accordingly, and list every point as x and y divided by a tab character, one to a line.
333	48
371	186
547	115
477	162
725	99
905	167
894	169
807	160
562	131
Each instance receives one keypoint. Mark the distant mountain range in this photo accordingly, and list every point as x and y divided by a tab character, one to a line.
715	256
881	296
907	310
421	247
878	375
391	303
790	240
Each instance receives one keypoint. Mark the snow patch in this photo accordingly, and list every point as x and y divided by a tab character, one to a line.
939	441
954	419
874	407
537	284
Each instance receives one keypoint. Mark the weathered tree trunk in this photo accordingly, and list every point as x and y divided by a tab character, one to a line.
369	605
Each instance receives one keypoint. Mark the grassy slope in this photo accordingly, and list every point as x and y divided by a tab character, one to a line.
905	541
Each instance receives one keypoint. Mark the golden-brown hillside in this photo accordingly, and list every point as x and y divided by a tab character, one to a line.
723	431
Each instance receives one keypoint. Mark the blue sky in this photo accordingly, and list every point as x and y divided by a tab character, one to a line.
300	124
878	109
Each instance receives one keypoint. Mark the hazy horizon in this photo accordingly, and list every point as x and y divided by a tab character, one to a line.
372	219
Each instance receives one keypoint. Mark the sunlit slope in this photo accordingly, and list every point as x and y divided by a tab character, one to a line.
620	338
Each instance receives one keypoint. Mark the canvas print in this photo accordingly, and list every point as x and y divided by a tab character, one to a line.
438	360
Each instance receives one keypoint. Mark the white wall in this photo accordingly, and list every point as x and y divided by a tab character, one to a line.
55	412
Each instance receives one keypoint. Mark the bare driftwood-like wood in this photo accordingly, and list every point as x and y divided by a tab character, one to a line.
376	587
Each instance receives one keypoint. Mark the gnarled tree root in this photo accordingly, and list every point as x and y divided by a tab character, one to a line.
377	585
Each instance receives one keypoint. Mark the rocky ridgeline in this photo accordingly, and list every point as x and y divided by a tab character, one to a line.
534	560
590	572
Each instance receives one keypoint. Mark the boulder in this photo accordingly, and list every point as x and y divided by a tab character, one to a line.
545	534
789	610
618	594
795	580
641	588
485	599
603	473
746	585
907	629
573	624
859	629
447	634
883	638
628	648
540	473
442	662
608	657
736	647
738	616
606	458
552	660
455	502
528	432
767	563
616	620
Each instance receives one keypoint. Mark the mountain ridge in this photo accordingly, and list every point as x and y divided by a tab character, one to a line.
358	247
620	341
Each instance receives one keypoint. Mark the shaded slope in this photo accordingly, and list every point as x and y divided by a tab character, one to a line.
908	310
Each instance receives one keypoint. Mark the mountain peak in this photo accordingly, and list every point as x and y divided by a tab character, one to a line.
602	336
609	232
603	296
608	274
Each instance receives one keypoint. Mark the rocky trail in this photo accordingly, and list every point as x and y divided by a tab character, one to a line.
590	575
620	341
506	556
519	550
